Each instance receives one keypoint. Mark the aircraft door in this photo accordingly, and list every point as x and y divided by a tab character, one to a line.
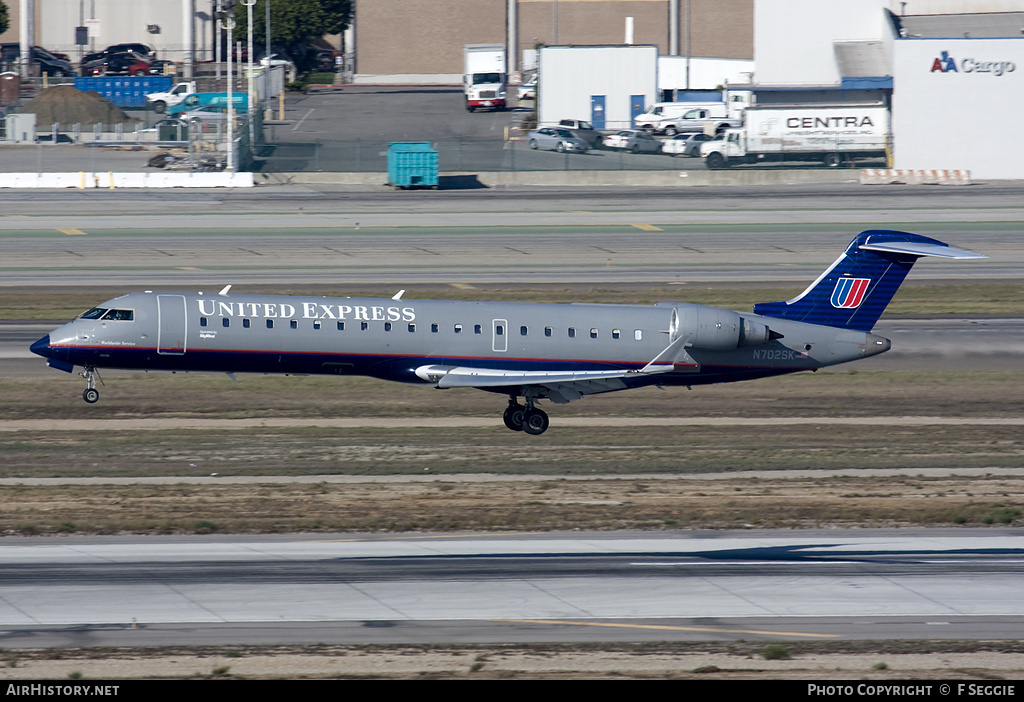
499	335
170	337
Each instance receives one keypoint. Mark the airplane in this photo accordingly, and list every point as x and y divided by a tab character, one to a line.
533	351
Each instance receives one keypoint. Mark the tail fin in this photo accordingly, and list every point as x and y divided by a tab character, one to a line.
855	290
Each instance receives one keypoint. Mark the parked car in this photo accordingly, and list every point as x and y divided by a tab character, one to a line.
554	138
528	90
582	129
291	73
143	50
207	113
48	64
633	140
685	144
160	67
123	64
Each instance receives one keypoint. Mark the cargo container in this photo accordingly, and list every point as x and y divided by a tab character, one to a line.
412	164
125	91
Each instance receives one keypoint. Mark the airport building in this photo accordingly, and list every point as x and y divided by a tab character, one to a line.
951	70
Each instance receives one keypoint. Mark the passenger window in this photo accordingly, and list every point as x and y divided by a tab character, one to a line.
547	331
294	324
316	323
572	332
638	335
593	333
458	328
412	327
202	321
433	328
363	326
477	329
225	322
270	324
246	323
522	331
499	330
616	333
387	326
341	326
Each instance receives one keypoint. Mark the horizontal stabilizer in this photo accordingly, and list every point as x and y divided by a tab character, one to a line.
913	248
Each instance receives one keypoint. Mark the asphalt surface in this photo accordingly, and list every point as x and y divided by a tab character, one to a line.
514	588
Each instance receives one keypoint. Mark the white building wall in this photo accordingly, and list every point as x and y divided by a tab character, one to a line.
793	39
120	21
705	73
571	75
962	119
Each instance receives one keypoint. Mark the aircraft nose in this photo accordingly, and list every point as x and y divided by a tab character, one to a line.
42	347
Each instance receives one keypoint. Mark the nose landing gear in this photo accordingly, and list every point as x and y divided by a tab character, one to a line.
91	394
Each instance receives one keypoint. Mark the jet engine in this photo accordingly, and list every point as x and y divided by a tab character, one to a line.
716	328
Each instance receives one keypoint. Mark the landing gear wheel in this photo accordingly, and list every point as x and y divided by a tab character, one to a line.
513	416
535	421
90	394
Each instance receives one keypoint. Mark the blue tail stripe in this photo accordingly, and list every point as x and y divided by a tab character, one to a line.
822	303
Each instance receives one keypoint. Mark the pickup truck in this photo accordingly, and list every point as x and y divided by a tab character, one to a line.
582	129
676	118
161	101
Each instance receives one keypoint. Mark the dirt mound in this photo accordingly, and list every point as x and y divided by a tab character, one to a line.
68	105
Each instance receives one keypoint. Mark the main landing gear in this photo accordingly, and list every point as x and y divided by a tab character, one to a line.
91	394
527	418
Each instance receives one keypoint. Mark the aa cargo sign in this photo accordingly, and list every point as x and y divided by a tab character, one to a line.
948	64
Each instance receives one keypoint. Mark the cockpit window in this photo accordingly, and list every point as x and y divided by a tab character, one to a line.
108	314
94	313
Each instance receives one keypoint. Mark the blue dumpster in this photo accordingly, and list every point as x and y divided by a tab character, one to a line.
412	164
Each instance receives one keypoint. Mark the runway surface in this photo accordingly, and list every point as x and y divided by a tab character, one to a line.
671	236
441	588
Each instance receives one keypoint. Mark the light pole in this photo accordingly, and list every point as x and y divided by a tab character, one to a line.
252	106
229	24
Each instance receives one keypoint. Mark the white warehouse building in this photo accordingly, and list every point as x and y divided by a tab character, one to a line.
945	66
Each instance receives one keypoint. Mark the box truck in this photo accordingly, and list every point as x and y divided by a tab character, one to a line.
834	134
484	76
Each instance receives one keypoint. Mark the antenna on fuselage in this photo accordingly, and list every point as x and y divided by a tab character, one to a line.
398	295
225	290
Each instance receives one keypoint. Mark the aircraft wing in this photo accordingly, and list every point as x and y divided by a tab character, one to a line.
558	386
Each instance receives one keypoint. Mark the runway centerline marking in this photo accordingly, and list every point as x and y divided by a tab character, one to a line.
663	627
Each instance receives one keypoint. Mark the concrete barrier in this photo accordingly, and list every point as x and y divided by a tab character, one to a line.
659	179
159	179
885	176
